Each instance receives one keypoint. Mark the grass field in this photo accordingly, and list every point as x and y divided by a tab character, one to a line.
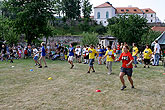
21	89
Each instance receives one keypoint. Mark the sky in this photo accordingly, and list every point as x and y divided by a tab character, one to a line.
156	5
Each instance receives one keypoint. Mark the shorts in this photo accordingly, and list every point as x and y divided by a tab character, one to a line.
127	71
35	58
86	57
70	58
91	62
78	56
146	61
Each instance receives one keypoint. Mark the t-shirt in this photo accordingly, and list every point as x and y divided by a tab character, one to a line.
92	53
100	51
43	53
71	53
35	52
109	53
118	47
78	51
126	58
147	53
158	48
134	51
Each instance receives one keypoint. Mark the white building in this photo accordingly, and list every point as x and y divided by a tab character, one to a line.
106	11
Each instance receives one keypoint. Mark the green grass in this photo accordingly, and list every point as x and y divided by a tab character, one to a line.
75	90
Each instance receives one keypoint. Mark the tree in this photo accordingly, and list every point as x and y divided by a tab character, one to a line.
89	39
32	17
86	9
128	28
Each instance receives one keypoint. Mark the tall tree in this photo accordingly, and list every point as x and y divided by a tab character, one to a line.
32	17
128	28
86	9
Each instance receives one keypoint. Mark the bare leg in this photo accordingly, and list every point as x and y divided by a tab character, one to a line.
44	61
121	78
130	80
40	60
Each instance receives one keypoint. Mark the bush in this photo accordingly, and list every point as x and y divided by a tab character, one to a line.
89	38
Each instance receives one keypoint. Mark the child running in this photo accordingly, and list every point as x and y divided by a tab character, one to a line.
147	53
110	56
126	68
36	55
43	54
92	53
71	55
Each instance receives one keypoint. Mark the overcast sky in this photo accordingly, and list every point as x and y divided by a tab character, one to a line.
156	5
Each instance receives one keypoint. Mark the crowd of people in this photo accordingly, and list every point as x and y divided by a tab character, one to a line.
87	55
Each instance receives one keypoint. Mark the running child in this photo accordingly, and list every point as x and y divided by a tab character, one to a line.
92	53
35	56
71	55
110	57
126	68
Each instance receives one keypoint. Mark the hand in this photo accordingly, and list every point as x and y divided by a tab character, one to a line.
127	64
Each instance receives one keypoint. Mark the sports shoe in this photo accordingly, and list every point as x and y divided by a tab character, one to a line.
46	66
144	66
40	67
88	72
109	73
132	87
123	87
93	71
72	67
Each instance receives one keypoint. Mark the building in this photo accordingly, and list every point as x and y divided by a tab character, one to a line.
158	28
107	40
106	11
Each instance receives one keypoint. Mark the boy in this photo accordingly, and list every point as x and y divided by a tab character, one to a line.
110	56
71	55
147	53
36	55
92	53
134	54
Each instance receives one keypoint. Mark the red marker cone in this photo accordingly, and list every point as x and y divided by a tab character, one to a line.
98	90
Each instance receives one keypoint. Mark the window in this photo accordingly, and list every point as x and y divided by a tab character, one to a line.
107	14
98	15
146	10
135	10
151	15
122	10
127	10
151	21
105	22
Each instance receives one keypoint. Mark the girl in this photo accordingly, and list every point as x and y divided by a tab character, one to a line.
126	68
43	54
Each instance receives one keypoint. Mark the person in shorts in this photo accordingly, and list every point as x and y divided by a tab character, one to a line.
127	66
35	56
43	54
147	53
92	53
71	55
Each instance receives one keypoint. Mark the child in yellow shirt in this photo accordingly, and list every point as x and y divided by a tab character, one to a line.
147	53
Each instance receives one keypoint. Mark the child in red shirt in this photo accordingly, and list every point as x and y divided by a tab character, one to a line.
126	68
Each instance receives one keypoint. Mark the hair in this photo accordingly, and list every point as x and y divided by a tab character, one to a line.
134	44
43	44
127	47
109	46
156	41
91	45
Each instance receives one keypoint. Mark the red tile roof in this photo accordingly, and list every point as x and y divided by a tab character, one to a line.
161	29
104	5
148	10
129	10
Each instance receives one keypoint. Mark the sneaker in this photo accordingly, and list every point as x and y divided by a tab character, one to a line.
144	66
46	66
135	66
93	71
123	87
88	72
109	73
148	67
40	67
72	67
36	64
132	87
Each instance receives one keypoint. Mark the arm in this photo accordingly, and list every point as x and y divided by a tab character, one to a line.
129	63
